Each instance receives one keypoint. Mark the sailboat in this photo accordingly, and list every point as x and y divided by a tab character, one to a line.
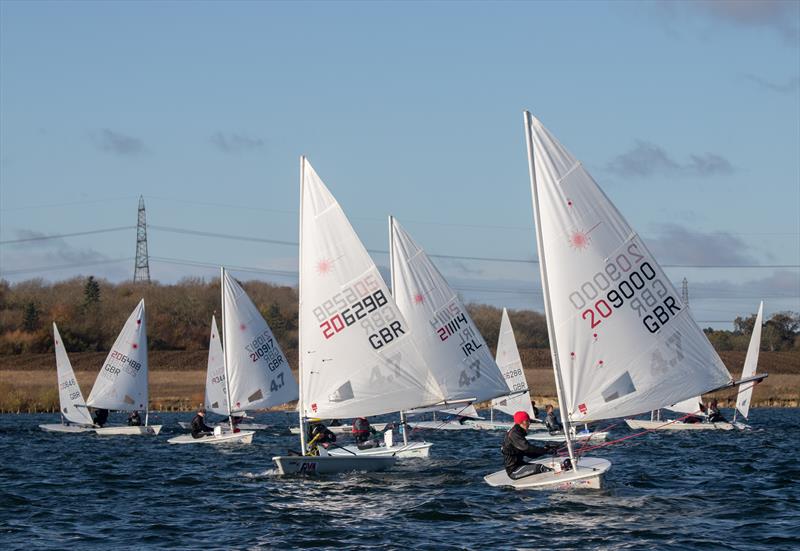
74	415
621	340
462	417
694	405
121	384
255	373
444	333
518	397
216	394
357	357
749	370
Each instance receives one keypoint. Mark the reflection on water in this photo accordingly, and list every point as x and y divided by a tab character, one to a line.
669	491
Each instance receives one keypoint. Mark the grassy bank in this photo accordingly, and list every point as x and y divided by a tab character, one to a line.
177	379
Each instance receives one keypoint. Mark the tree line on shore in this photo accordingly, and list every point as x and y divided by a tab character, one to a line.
90	313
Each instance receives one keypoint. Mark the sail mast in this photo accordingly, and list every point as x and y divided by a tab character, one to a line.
225	346
394	290
300	351
546	291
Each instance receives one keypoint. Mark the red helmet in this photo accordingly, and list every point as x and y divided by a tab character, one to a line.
521	416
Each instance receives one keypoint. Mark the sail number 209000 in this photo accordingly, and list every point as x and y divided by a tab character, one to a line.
632	280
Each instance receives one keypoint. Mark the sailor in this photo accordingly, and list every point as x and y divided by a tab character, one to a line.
199	427
235	421
714	416
363	434
100	417
318	434
516	448
134	420
535	409
551	422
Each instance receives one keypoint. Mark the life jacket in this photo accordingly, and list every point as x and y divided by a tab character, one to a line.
361	428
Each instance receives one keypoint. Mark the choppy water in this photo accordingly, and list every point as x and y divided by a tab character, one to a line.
712	490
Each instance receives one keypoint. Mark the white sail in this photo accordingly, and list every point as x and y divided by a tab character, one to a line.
443	330
467	410
625	342
750	365
257	371
216	384
691	405
122	382
357	357
510	364
73	408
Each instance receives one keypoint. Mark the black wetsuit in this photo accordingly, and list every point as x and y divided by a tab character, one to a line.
100	417
714	416
134	420
515	449
325	436
199	427
553	424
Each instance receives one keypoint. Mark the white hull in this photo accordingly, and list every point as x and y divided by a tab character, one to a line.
241	426
589	475
296	464
74	429
666	425
412	449
128	431
343	429
543	436
242	437
496	425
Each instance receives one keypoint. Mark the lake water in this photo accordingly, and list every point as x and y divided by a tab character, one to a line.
710	490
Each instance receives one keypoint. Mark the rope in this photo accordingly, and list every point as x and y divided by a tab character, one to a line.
585	447
618	440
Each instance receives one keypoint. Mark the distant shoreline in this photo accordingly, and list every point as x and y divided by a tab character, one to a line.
177	380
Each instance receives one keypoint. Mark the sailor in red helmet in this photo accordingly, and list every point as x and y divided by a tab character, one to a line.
516	448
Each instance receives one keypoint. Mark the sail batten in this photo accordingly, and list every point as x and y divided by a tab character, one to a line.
625	342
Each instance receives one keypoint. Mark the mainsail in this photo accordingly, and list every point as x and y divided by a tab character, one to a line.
750	365
122	382
216	383
690	405
518	397
73	408
357	355
443	330
257	371
625	343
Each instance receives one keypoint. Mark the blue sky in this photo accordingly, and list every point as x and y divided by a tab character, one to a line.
686	113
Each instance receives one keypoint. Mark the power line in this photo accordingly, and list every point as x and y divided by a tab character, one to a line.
181	262
235	237
64	266
63	235
223	235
